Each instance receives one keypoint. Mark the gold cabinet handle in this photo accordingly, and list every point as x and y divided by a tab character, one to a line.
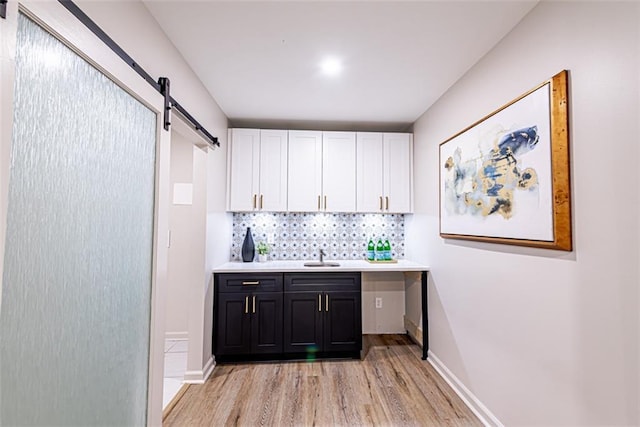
326	303
261	200
325	203
380	202
255	197
257	282
254	305
319	302
318	202
246	304
387	200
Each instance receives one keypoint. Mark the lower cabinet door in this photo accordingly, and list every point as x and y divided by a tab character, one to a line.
303	317
266	323
233	324
342	321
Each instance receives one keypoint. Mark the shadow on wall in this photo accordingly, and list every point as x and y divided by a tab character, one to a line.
443	334
513	249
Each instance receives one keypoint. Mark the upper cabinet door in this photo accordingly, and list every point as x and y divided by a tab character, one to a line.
398	172
385	172
339	171
244	169
305	171
369	151
272	194
257	170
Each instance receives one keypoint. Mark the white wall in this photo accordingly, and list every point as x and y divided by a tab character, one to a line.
546	337
180	265
387	319
219	230
131	25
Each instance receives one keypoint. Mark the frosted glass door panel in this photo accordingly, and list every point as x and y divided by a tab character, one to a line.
74	320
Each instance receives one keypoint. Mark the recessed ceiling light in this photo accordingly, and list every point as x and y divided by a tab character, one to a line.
331	66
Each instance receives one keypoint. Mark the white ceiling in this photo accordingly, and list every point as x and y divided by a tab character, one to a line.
260	60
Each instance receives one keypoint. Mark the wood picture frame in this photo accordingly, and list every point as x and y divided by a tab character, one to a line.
505	179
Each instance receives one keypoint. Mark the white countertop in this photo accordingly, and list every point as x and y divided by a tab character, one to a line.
298	266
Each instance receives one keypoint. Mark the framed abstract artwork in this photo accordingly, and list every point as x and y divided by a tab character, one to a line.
505	178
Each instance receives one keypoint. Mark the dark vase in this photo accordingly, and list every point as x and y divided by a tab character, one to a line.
248	248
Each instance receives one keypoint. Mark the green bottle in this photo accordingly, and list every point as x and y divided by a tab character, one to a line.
371	250
387	250
379	251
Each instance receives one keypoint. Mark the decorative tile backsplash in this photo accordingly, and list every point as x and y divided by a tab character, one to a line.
293	236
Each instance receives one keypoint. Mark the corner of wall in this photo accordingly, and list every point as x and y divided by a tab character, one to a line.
200	376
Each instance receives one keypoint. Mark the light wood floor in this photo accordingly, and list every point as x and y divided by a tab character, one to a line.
392	386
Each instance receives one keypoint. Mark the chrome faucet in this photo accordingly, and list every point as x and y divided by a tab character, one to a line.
322	255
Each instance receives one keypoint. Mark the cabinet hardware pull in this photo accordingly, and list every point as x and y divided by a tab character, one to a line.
326	303
254	305
255	197
246	304
319	302
380	202
318	202
325	203
387	199
257	282
261	199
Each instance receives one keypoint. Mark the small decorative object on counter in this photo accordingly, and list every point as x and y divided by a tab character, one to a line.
248	248
379	251
371	250
263	251
387	250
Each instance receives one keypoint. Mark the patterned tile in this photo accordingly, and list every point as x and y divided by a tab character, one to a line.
301	235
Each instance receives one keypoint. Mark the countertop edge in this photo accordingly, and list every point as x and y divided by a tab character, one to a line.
298	267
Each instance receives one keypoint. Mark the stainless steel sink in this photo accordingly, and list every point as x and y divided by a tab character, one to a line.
321	264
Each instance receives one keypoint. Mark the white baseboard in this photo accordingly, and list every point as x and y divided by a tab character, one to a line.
414	331
477	407
208	368
176	335
199	377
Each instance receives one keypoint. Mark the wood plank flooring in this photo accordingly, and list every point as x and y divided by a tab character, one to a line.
391	386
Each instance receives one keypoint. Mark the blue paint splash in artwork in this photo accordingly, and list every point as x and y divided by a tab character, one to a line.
495	190
491	171
499	204
519	141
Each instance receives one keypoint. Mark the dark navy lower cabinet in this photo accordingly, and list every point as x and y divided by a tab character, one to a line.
292	316
247	315
323	314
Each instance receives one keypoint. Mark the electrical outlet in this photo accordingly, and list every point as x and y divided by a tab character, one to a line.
378	302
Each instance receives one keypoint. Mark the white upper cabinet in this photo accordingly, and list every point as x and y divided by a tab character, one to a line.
315	171
398	172
370	172
244	169
273	170
339	171
257	162
305	171
385	172
322	171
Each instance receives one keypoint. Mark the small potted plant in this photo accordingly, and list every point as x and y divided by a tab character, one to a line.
263	250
